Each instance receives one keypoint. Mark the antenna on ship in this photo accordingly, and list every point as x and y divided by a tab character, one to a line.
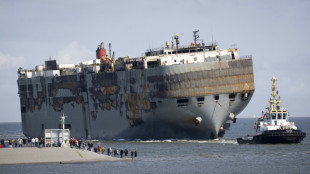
274	101
212	35
196	37
110	46
177	37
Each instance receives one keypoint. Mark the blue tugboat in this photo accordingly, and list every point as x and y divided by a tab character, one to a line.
274	127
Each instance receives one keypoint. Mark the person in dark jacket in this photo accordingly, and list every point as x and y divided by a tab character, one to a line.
122	152
136	154
109	151
24	142
10	143
126	152
80	142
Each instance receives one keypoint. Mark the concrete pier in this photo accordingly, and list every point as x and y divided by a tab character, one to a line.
50	155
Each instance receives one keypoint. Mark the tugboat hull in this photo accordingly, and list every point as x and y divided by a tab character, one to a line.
274	137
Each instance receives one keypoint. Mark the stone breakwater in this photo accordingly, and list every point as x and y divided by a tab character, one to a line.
50	155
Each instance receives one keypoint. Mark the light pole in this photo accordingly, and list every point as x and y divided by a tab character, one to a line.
63	117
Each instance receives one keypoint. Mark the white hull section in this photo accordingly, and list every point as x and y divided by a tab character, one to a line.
167	121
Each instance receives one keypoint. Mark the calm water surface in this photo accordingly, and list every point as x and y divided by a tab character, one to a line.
188	156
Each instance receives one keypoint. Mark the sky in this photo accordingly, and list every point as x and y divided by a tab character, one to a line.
275	32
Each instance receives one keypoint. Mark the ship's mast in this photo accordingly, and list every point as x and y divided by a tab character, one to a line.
177	37
274	100
110	50
196	37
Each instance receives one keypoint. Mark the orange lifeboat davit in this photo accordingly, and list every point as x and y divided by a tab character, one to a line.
101	54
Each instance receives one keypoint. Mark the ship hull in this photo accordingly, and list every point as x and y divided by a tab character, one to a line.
156	103
274	137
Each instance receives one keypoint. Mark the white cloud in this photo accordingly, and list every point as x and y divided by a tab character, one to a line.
7	60
74	53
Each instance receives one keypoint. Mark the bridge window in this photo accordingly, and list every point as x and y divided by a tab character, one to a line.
273	116
279	116
284	115
152	64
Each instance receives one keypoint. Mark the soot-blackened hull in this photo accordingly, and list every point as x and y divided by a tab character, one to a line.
155	103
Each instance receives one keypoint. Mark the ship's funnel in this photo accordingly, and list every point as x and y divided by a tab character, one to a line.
101	54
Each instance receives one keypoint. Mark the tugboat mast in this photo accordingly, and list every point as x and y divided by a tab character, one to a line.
274	94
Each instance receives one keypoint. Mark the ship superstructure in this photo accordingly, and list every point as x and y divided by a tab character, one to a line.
170	92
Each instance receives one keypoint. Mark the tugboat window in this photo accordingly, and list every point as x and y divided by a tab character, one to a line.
273	115
279	116
284	115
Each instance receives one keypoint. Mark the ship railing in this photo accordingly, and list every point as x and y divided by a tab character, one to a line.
182	46
245	57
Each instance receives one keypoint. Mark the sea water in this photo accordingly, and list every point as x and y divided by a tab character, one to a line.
222	155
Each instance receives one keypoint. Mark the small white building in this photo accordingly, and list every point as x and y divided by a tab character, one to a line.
55	137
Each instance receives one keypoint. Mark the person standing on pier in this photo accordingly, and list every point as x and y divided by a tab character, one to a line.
136	154
108	152
121	153
10	143
80	143
33	142
126	153
36	141
20	142
24	142
15	142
